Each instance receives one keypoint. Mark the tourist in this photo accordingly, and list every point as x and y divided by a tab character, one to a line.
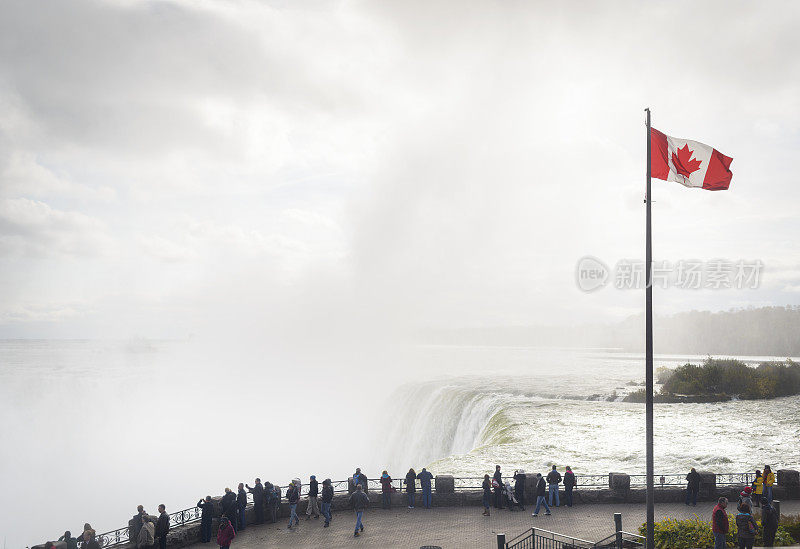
313	493
497	485
386	490
71	542
411	486
769	522
569	485
293	495
327	499
487	495
274	502
744	498
86	535
162	527
425	478
241	508
206	517
541	491
519	487
136	523
692	487
226	533
719	523
147	533
554	479
228	505
359	501
769	480
746	528
360	478
758	488
258	500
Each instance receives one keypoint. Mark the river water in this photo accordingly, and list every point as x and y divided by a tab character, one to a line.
92	428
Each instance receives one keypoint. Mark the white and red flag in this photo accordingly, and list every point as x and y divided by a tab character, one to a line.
690	163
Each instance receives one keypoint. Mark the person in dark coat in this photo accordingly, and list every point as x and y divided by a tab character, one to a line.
692	487
425	478
136	523
553	480
71	542
162	527
226	533
327	499
541	493
274	502
228	504
241	509
313	493
206	517
411	486
519	487
361	478
769	522
293	495
360	501
498	488
569	485
746	528
258	500
487	495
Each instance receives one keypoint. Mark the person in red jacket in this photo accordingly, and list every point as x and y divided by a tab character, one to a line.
226	533
719	523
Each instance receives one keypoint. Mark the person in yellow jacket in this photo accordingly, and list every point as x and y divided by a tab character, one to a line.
769	480
758	488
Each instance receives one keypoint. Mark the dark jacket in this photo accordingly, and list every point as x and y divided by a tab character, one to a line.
313	488
267	491
162	526
744	523
719	520
386	484
411	482
498	476
425	478
569	479
541	488
359	500
228	503
72	543
241	499
293	495
258	494
553	477
487	488
693	478
327	493
207	510
769	519
519	484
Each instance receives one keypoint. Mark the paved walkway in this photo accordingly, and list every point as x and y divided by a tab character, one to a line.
458	527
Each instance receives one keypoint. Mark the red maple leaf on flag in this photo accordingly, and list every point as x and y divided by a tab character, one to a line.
684	163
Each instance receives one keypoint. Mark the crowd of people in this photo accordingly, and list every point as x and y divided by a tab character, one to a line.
759	493
148	531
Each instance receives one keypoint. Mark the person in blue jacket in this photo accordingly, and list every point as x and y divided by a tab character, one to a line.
425	478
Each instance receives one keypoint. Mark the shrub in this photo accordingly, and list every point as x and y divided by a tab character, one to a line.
672	533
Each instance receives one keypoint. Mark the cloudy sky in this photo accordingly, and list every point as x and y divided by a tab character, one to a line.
174	168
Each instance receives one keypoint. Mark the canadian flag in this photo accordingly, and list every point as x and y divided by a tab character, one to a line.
690	163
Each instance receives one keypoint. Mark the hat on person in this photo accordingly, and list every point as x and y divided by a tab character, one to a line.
313	477
747	490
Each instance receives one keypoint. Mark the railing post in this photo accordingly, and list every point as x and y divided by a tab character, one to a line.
777	506
501	541
618	528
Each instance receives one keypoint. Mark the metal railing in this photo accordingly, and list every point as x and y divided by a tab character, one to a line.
538	538
621	539
193	514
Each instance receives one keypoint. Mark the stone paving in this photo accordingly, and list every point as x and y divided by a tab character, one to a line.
458	527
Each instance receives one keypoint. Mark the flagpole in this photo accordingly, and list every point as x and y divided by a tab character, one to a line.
649	356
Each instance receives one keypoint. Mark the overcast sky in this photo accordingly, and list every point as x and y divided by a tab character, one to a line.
196	167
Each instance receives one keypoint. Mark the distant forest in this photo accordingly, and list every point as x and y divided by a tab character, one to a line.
772	331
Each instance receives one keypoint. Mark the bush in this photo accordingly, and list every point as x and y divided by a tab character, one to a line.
691	533
732	377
